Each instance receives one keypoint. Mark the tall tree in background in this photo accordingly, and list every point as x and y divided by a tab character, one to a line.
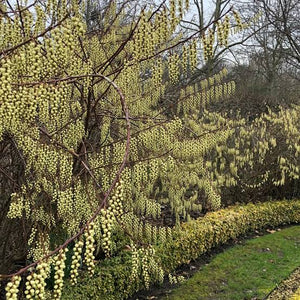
272	75
283	16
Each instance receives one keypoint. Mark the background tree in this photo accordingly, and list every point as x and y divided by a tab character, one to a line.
283	15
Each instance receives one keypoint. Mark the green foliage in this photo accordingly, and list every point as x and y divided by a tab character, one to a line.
197	237
110	281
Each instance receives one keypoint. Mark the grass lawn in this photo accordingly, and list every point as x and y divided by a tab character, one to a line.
247	271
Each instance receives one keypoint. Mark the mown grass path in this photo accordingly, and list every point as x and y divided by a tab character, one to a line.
247	271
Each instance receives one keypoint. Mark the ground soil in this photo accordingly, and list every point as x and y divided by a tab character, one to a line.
287	287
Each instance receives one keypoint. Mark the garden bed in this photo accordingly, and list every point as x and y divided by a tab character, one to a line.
192	240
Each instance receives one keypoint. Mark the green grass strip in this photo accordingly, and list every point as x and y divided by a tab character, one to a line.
248	271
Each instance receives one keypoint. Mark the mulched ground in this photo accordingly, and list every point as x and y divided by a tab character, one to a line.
287	287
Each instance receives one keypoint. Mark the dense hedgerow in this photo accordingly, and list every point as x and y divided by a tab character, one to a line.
191	240
216	228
